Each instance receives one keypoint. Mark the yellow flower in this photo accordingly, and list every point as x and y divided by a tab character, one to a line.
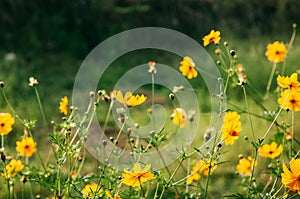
201	167
6	121
213	36
26	147
245	166
91	190
276	52
270	150
290	100
138	176
291	179
14	167
187	68
111	197
180	118
289	82
63	105
130	100
193	178
231	128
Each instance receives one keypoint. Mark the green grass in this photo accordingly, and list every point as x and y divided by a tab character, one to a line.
56	74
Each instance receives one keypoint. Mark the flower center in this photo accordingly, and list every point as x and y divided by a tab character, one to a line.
293	101
2	124
277	52
26	146
271	152
234	133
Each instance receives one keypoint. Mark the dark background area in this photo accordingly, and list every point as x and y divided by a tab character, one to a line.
75	27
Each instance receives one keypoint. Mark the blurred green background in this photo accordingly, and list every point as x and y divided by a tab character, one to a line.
51	38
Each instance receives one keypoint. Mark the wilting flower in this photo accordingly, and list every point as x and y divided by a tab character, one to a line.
231	127
180	118
213	36
26	147
33	81
63	105
276	52
130	100
290	100
245	166
178	88
14	167
201	167
187	68
108	194
91	190
138	176
152	68
290	178
270	150
289	82
6	122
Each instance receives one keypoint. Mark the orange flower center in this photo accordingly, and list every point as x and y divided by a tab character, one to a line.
293	101
234	133
2	124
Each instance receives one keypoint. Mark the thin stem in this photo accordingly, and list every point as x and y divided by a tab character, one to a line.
247	107
188	171
108	114
40	106
293	123
289	47
252	172
11	108
271	77
156	191
162	192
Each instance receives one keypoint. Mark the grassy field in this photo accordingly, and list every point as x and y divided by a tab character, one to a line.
56	74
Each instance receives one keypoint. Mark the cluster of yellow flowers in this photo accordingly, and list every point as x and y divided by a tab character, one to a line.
289	98
26	147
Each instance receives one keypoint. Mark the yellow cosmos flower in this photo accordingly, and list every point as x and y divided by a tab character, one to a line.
270	150
187	68
290	100
90	191
276	52
201	167
14	167
193	178
213	36
111	197
231	128
289	82
138	176
128	99
245	166
291	178
6	121
26	147
63	105
180	118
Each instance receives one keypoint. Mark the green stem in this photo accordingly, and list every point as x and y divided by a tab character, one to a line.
107	115
288	49
40	106
162	192
11	108
271	77
292	141
247	107
252	172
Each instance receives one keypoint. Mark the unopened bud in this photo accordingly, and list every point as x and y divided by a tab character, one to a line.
172	96
294	25
217	51
232	52
1	84
92	94
225	43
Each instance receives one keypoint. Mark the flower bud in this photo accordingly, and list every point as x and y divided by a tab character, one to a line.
172	96
1	84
